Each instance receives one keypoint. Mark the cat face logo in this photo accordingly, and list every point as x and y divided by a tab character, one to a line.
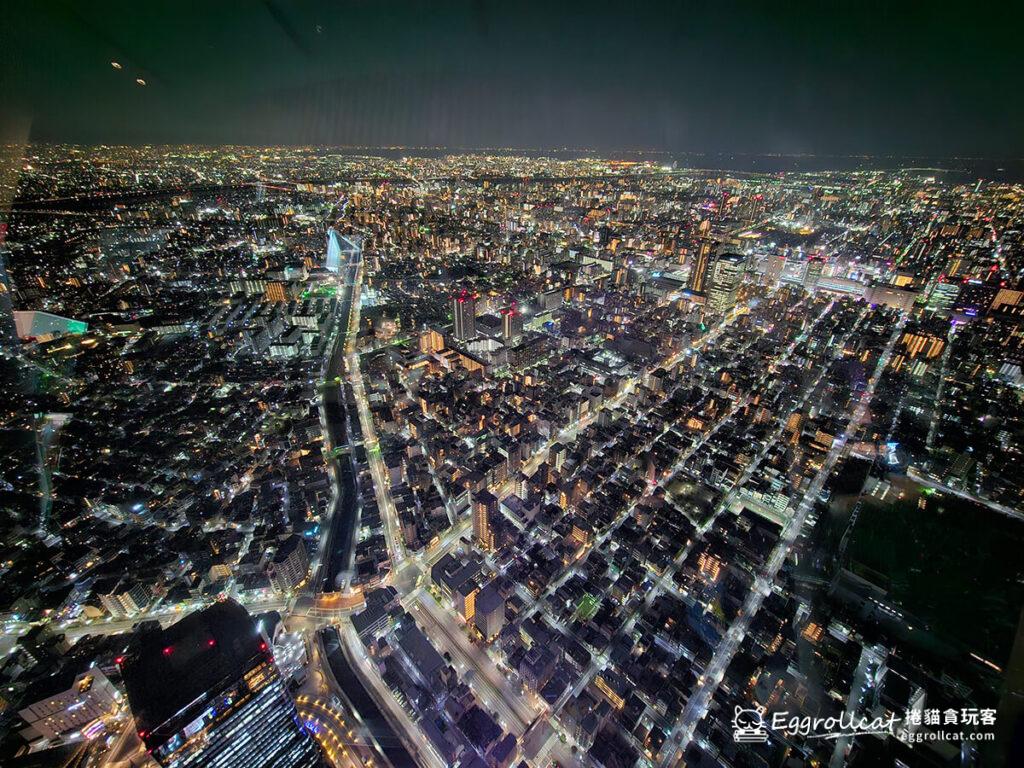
748	726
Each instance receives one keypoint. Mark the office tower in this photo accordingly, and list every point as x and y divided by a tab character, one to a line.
464	315
511	323
754	208
206	692
465	600
333	261
699	267
725	282
485	505
8	329
815	266
341	249
557	455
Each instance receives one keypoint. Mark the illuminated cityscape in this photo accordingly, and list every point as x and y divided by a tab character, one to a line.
351	455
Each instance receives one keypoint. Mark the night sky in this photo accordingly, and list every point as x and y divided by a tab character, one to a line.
758	77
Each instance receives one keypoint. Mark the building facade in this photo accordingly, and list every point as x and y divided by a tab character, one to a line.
340	249
464	315
289	566
207	692
126	600
69	703
511	323
726	277
485	505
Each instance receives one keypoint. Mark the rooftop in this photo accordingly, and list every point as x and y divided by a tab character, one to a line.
201	655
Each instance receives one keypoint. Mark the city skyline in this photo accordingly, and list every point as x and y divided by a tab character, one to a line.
480	384
510	459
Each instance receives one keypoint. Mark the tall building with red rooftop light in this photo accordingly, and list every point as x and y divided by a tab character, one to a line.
511	323
464	315
206	692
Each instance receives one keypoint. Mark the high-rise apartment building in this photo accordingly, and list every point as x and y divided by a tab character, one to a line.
464	315
127	598
431	341
511	323
206	692
289	566
485	506
490	611
726	276
699	267
275	292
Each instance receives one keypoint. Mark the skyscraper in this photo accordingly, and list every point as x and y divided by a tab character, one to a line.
206	692
699	267
464	315
340	248
8	329
485	505
511	323
726	276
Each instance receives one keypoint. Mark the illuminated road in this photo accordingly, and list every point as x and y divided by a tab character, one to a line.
399	719
392	530
77	630
491	686
937	415
697	706
487	682
993	505
126	749
339	739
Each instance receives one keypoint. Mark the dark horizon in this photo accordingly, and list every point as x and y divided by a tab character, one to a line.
739	78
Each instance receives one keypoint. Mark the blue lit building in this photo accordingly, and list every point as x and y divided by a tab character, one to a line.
341	249
206	692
